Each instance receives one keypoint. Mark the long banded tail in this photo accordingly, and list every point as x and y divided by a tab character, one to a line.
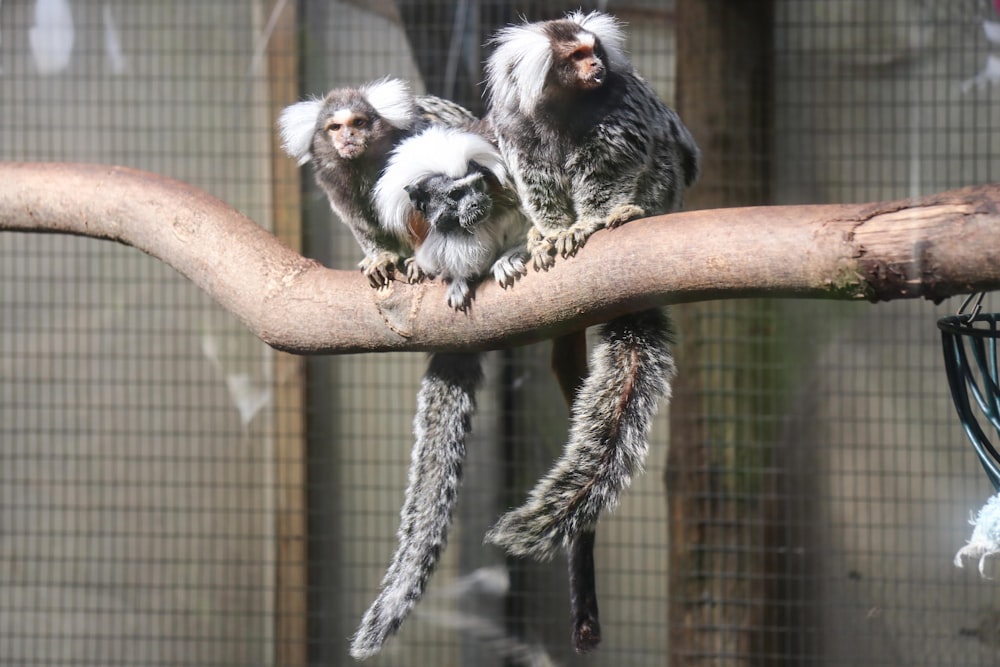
445	404
631	370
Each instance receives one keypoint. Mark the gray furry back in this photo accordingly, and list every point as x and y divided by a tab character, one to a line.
608	439
445	404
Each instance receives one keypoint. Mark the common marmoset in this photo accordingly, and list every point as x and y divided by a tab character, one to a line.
347	136
400	198
589	145
449	190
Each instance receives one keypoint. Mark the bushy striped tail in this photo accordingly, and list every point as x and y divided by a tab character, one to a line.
631	370
445	404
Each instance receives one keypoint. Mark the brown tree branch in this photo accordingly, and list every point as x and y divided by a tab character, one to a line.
934	247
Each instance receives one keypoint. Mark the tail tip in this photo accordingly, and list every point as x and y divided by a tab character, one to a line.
586	635
370	637
362	650
521	537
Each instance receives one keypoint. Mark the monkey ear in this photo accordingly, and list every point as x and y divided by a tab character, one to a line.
418	196
297	124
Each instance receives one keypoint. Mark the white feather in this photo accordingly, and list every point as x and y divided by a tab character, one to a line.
516	71
393	101
436	150
298	124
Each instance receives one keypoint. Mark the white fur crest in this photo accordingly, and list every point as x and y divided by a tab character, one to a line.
297	124
392	99
436	150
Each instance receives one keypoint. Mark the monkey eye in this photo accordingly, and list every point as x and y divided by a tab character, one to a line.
359	122
580	54
333	126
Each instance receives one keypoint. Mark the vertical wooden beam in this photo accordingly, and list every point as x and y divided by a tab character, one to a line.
723	95
716	489
291	568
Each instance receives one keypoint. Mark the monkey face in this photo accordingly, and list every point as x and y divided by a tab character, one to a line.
589	68
349	131
449	204
578	58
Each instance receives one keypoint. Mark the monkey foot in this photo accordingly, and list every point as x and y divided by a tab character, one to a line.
509	268
379	268
414	274
619	215
459	295
569	241
542	250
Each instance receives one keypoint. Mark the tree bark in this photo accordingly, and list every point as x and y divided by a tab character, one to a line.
932	247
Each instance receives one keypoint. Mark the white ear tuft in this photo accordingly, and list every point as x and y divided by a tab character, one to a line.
515	73
392	99
297	124
611	33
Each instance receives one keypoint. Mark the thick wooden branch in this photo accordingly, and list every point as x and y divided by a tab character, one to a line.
933	247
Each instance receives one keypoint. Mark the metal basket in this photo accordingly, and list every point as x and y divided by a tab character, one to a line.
970	343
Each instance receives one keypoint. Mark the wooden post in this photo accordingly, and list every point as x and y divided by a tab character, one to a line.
718	450
291	567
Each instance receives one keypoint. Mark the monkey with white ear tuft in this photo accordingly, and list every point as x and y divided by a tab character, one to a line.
588	142
347	136
589	145
440	199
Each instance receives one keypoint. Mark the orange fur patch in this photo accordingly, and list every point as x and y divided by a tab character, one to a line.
417	227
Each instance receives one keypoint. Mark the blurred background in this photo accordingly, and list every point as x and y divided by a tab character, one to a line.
173	492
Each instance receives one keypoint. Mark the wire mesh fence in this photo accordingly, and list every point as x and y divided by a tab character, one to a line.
173	492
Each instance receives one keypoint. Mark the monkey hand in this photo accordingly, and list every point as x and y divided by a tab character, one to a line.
509	268
414	274
379	268
542	250
459	295
622	213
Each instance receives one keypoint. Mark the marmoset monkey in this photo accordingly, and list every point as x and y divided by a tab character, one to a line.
440	178
348	136
589	145
449	189
455	184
